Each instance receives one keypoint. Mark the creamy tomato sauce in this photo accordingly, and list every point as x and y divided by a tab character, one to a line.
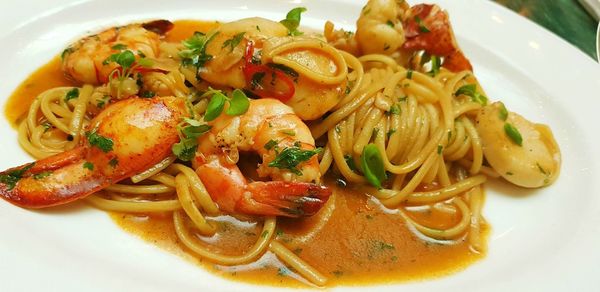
361	243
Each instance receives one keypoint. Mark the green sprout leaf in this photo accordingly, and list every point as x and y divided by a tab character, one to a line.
238	104
215	106
195	52
292	20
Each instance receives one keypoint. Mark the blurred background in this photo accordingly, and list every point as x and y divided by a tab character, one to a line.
567	18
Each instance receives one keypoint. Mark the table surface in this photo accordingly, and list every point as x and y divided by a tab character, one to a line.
566	18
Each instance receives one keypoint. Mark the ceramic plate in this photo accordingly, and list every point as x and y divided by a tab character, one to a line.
542	240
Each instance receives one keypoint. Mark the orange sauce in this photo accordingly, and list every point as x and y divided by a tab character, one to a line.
361	243
44	78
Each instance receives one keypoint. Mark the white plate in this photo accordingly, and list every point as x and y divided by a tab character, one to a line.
544	240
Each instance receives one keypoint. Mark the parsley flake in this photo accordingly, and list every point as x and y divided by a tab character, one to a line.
72	94
103	143
291	157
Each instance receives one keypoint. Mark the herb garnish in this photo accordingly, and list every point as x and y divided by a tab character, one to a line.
292	21
238	104
372	165
72	94
436	63
188	138
88	165
513	133
291	157
11	178
195	54
471	90
103	143
503	114
233	42
42	174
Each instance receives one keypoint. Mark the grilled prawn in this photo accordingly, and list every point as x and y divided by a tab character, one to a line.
126	138
287	148
85	61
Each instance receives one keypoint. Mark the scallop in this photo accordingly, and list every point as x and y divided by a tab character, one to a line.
522	152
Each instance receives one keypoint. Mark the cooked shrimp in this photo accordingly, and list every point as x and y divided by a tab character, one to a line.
379	29
534	163
126	138
248	54
287	148
427	27
84	61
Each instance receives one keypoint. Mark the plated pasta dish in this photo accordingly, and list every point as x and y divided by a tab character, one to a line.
278	155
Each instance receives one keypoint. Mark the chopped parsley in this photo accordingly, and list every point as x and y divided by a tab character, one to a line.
147	94
113	162
88	165
102	102
42	175
195	52
395	110
271	144
185	149
72	94
233	42
439	149
409	74
11	178
291	157
103	143
390	23
292	21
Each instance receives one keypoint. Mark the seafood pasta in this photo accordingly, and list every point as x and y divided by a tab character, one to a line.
325	157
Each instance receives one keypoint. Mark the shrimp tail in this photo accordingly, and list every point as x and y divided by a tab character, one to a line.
52	181
136	133
289	199
427	28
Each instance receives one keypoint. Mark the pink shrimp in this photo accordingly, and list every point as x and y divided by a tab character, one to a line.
126	138
289	158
